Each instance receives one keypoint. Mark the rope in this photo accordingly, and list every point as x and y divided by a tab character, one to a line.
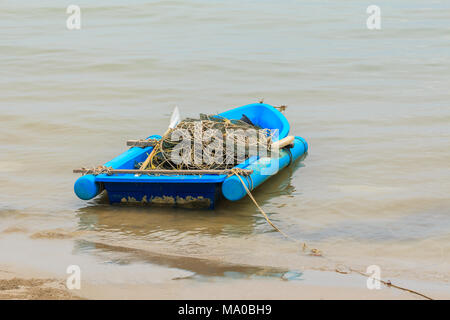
281	108
387	283
250	181
316	252
291	158
235	171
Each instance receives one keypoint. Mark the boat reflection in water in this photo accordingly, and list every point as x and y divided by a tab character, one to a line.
173	237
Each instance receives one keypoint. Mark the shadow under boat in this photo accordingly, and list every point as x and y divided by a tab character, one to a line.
200	267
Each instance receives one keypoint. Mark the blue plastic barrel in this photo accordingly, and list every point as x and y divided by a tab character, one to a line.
86	187
263	169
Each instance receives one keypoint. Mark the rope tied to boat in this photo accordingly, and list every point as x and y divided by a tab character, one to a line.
236	172
289	152
340	268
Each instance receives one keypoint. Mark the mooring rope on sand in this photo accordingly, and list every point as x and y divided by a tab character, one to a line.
313	251
316	252
387	283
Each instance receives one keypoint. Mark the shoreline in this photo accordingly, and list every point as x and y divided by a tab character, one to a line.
112	271
25	283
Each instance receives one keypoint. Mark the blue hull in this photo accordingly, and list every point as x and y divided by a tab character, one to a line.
203	195
187	190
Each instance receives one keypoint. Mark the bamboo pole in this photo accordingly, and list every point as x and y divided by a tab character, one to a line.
142	143
100	170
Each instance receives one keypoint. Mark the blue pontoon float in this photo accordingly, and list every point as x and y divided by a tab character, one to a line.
192	190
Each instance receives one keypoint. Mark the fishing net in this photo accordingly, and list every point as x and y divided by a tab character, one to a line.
211	142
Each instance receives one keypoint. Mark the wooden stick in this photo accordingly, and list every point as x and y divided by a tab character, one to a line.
283	142
101	170
142	143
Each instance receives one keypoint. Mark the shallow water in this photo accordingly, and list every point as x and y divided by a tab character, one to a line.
373	106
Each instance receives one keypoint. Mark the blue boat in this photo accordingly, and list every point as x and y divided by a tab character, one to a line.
193	190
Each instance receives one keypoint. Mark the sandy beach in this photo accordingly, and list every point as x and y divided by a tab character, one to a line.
154	274
32	284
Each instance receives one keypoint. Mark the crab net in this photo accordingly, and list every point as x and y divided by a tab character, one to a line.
210	142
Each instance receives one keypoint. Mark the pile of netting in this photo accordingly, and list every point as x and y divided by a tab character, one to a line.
211	142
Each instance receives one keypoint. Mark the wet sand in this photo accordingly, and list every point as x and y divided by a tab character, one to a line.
15	287
32	284
35	268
